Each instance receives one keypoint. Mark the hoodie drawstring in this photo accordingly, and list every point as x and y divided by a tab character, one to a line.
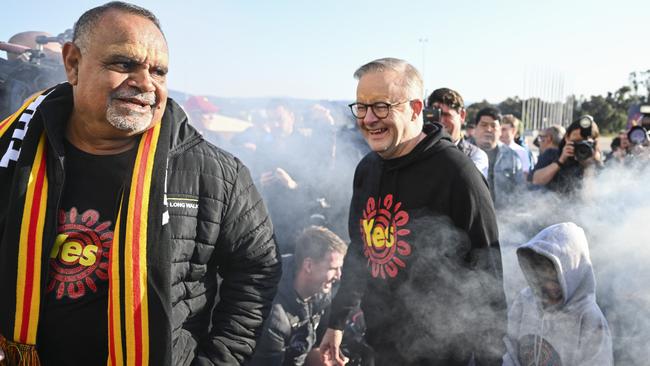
537	349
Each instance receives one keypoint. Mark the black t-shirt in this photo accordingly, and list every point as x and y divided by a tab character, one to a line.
73	328
568	178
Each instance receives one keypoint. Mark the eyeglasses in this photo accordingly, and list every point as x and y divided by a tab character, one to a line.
379	109
541	137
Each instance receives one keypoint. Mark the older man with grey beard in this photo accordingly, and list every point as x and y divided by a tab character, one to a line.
125	238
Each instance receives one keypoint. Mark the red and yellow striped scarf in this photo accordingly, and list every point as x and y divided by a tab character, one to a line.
128	307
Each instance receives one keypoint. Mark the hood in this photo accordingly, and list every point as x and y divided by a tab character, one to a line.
434	141
566	246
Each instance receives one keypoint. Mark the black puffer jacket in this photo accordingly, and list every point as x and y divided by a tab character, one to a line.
225	266
220	229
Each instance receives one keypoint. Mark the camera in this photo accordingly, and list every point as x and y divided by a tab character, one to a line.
640	135
431	114
19	79
583	150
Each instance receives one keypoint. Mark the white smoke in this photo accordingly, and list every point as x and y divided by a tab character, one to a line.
614	210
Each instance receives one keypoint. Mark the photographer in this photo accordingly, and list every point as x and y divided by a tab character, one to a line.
40	45
639	139
304	296
33	63
563	170
616	156
446	106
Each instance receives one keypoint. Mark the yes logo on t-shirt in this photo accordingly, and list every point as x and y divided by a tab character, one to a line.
79	258
382	229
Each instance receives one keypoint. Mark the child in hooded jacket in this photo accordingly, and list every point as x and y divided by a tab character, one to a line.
556	321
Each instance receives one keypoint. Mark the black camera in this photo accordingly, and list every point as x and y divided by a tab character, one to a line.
640	135
431	114
583	150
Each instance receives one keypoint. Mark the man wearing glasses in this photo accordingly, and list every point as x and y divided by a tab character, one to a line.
549	138
423	258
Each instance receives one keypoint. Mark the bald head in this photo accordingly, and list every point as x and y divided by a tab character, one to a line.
89	20
118	77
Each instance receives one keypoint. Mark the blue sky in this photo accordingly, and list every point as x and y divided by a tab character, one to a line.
309	49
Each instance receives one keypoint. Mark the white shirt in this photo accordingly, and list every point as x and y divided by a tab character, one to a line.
480	159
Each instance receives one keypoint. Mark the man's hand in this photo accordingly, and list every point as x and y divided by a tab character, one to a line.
250	146
330	348
568	152
285	178
280	176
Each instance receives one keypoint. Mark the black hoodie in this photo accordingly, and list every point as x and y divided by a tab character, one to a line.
424	257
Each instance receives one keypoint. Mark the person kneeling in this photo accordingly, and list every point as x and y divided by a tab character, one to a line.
304	295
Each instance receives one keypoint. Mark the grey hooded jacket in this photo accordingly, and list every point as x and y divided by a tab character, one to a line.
572	333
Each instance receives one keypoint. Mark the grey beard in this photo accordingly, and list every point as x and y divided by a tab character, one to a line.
128	120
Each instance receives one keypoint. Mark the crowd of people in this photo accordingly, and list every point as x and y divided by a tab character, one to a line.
379	233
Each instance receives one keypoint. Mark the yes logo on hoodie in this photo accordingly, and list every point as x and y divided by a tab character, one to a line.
534	350
384	236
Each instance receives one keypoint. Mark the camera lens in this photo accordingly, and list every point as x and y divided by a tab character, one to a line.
637	135
583	150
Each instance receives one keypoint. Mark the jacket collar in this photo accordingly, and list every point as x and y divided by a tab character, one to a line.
57	108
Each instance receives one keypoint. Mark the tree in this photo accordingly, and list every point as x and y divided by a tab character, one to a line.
473	109
603	109
640	82
511	106
609	112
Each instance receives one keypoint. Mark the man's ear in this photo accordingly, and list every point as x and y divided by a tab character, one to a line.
462	114
71	58
417	105
308	265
